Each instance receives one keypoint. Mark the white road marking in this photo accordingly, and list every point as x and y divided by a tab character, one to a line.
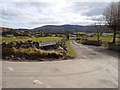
48	86
39	82
10	68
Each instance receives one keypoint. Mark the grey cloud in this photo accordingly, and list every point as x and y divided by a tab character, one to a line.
38	13
6	13
17	9
82	23
45	22
91	8
32	4
9	10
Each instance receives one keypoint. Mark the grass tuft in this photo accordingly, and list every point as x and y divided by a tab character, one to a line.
70	50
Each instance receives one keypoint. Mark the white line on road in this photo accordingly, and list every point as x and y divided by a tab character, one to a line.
39	82
10	68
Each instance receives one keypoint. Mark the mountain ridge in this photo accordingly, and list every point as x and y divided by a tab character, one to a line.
69	28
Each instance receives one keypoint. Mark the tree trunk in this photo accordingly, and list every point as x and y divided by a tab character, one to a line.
114	36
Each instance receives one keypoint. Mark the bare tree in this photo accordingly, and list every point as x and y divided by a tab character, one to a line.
112	17
99	30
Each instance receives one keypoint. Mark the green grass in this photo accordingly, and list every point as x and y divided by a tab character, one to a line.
80	32
31	38
70	50
10	35
72	38
105	39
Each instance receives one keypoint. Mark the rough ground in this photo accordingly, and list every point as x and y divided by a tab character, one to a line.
94	67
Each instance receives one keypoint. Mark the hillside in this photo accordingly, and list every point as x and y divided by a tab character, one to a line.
58	29
69	28
5	31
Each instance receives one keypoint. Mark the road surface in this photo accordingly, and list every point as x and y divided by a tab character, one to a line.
94	67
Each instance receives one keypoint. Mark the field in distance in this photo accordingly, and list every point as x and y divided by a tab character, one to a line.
25	38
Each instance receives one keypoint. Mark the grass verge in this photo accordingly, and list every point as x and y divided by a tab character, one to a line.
70	50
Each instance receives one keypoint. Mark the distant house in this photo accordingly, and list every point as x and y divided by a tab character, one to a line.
48	45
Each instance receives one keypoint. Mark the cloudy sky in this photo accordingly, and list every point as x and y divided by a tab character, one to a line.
36	13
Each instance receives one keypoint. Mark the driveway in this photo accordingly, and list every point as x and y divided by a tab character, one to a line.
94	67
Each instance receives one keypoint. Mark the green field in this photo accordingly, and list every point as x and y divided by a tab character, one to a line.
107	37
9	39
73	38
70	50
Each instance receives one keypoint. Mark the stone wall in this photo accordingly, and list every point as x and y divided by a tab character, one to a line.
91	42
25	44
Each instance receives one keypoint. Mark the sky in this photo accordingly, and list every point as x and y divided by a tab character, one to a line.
35	13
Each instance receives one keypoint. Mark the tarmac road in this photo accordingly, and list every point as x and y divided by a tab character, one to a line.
94	67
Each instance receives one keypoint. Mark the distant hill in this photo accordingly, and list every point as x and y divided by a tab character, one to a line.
57	29
4	29
70	28
12	31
